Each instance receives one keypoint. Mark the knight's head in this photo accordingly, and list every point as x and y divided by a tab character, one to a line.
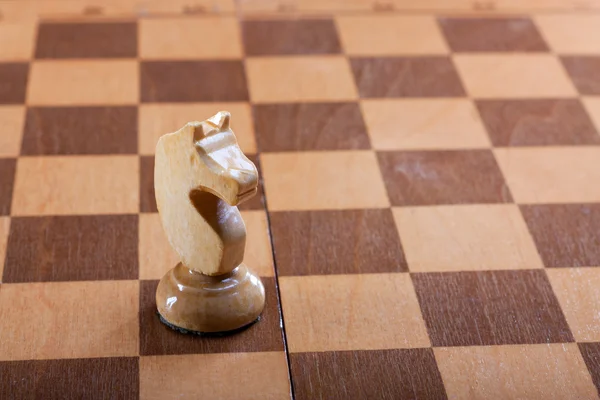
230	174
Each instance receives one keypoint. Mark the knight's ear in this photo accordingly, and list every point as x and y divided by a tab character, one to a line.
224	120
220	120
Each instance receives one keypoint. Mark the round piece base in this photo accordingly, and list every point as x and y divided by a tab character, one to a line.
195	303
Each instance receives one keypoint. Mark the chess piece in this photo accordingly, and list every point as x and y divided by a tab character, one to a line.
200	177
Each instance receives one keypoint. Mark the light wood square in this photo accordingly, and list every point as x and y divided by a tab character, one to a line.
424	124
571	34
514	76
277	6
69	320
351	312
578	292
592	105
12	119
190	38
156	120
17	40
323	180
33	10
291	79
258	256
464	238
241	376
76	185
156	256
158	7
541	371
383	35
83	82
551	175
4	230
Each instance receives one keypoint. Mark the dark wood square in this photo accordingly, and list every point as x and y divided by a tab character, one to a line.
426	76
193	81
490	308
566	235
72	248
13	82
544	122
87	40
86	378
80	130
7	178
158	339
377	374
492	35
416	178
147	195
336	242
310	126
286	37
583	71
591	356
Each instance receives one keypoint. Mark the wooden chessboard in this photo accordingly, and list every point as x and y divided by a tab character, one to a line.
428	223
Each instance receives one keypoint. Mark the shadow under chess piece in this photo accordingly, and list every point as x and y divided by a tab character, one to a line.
200	177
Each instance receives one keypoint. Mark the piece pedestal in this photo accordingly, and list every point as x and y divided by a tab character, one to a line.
210	304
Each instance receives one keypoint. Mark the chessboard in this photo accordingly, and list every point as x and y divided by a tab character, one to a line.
427	224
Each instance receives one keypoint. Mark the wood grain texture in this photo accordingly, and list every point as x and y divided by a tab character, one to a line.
80	130
358	185
578	292
257	375
176	81
443	177
96	378
82	319
288	37
76	185
336	242
194	37
545	174
308	78
13	119
492	34
541	371
466	238
382	374
425	76
13	82
310	126
513	76
583	70
566	235
7	177
537	122
321	312
423	124
72	248
83	82
490	308
591	356
384	34
87	40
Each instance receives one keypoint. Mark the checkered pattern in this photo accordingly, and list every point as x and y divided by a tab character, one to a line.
428	222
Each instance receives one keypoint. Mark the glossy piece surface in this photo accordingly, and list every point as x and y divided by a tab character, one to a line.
201	303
